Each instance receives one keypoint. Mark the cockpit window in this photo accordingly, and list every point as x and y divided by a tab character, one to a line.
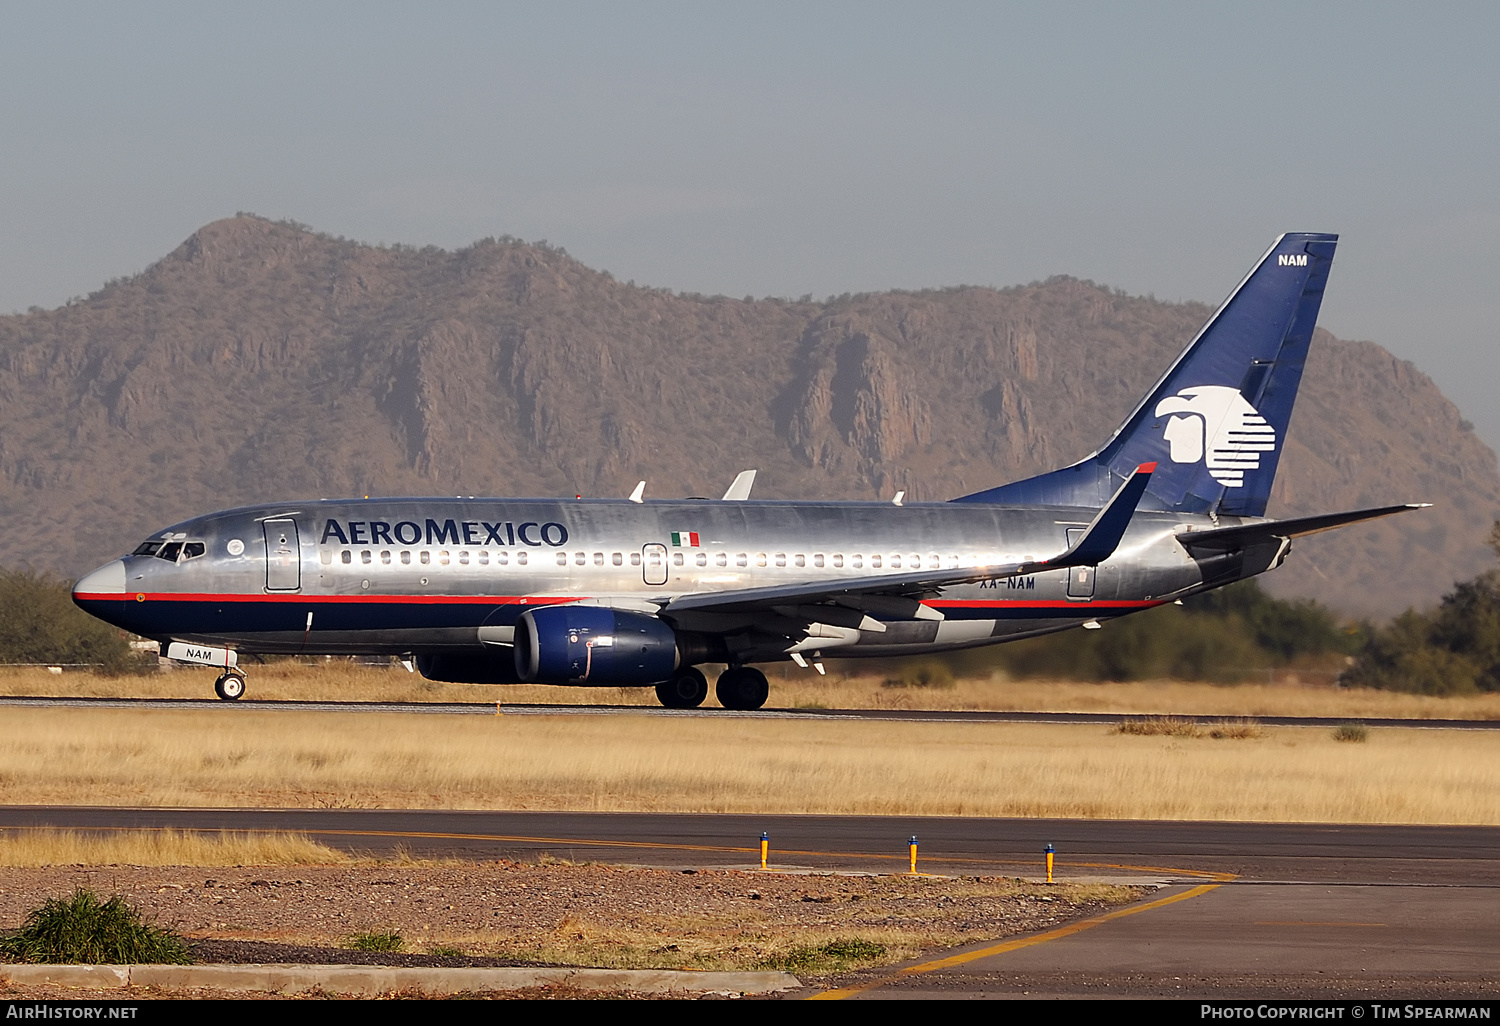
147	548
192	550
170	551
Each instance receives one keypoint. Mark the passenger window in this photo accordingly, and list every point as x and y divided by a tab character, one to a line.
366	556
721	559
702	559
463	559
799	560
635	559
562	559
425	557
781	559
192	550
484	557
598	559
520	559
170	551
817	559
385	557
676	559
503	558
443	557
856	561
838	560
896	563
874	561
325	557
406	555
760	559
346	556
580	558
617	559
741	560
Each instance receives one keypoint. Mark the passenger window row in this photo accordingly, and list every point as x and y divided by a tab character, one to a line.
503	558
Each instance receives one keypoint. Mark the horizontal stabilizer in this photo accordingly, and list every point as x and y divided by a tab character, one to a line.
1225	538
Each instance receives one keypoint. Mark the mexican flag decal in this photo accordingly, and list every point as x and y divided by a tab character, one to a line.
685	539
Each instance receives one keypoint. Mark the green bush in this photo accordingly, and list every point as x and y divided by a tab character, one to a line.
83	930
377	940
40	624
1453	650
1353	732
835	956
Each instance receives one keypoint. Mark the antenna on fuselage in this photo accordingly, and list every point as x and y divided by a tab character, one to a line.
739	491
640	490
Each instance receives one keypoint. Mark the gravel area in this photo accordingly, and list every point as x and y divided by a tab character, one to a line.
510	913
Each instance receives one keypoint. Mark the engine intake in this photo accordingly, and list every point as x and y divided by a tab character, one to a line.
593	645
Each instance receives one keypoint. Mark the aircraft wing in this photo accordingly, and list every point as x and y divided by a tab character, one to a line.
1095	545
1225	538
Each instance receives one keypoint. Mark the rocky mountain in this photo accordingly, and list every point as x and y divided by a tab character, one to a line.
260	361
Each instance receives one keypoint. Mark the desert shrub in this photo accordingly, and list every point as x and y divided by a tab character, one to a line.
83	929
40	624
1158	726
376	940
1353	732
1453	650
834	956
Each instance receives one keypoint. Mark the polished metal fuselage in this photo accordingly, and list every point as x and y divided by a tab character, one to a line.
396	576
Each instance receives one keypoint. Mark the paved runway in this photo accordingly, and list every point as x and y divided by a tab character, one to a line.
888	715
1246	910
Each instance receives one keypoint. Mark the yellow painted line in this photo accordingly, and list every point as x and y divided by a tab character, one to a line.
1015	945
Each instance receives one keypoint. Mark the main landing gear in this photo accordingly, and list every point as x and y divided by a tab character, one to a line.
739	687
686	690
742	687
230	685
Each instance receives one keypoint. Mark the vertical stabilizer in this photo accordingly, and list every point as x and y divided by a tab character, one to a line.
1216	421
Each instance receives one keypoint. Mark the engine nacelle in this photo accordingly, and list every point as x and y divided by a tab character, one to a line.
593	645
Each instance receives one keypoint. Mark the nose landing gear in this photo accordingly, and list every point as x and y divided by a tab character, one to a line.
230	686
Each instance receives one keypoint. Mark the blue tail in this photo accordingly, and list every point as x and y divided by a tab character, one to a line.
1215	424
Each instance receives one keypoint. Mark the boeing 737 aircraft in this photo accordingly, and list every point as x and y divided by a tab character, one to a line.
640	592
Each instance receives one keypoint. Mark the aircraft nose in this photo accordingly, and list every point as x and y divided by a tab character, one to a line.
106	582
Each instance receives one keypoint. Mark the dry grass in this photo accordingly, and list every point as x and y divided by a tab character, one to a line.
1176	726
243	756
163	848
342	680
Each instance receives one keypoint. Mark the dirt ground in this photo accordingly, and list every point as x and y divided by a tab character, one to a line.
513	913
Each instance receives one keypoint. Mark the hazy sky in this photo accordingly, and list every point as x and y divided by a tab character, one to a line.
789	149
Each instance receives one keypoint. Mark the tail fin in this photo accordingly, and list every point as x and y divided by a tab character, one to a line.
1216	422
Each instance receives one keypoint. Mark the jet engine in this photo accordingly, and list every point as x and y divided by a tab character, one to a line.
593	645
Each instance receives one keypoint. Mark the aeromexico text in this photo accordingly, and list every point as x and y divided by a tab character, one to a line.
444	532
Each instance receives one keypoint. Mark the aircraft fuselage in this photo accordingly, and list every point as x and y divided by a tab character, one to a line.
408	576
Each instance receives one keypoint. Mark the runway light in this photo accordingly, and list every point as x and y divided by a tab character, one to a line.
913	843
765	848
1050	852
